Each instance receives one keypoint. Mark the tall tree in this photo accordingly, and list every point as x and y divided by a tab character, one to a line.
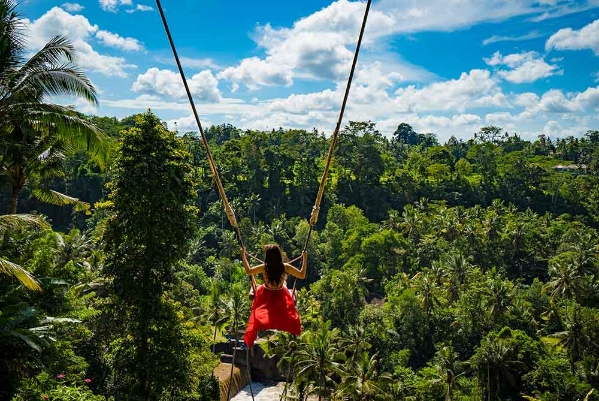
147	234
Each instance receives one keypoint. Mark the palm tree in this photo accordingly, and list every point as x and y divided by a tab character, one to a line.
215	310
237	307
494	365
318	359
252	203
427	294
585	249
354	341
284	345
499	295
34	134
13	222
573	338
458	265
448	366
362	381
566	281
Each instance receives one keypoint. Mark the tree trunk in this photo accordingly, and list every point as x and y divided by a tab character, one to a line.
214	340
14	200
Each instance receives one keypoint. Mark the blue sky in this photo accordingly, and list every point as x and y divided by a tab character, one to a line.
444	66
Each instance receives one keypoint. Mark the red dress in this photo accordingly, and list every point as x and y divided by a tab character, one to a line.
272	310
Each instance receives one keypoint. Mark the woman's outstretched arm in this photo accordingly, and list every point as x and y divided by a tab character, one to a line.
301	274
251	271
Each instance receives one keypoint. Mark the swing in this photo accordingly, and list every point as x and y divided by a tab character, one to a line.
271	308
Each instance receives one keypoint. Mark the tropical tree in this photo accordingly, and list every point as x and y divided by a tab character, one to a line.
573	339
566	281
318	359
448	366
362	380
147	235
35	134
215	310
15	222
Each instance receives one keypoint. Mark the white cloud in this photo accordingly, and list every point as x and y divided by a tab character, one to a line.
554	101
430	123
527	100
326	100
84	107
456	94
319	46
79	30
596	76
569	39
203	85
525	67
186	124
440	15
113	5
139	7
562	8
254	72
498	38
72	7
115	40
190	62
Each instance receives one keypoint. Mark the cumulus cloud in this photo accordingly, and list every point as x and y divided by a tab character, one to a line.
186	124
113	5
254	72
139	7
203	85
570	39
554	101
115	40
456	94
525	67
319	46
79	30
72	7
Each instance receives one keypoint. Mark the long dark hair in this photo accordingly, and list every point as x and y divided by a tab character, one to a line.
273	260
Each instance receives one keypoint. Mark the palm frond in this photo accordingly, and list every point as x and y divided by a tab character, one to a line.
12	37
12	269
20	221
56	51
57	80
56	198
68	126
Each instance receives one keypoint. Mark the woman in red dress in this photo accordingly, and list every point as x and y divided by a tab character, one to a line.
273	307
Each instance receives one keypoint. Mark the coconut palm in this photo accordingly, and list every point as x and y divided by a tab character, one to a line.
318	359
214	312
12	222
566	281
362	381
573	339
35	134
448	366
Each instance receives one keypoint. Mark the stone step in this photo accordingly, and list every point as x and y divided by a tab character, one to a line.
239	358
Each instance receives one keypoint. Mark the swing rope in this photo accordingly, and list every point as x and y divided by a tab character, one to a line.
221	190
335	138
228	209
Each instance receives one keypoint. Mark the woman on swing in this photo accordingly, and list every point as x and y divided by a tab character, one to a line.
273	306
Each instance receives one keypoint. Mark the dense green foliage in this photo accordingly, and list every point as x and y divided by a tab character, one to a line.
459	271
